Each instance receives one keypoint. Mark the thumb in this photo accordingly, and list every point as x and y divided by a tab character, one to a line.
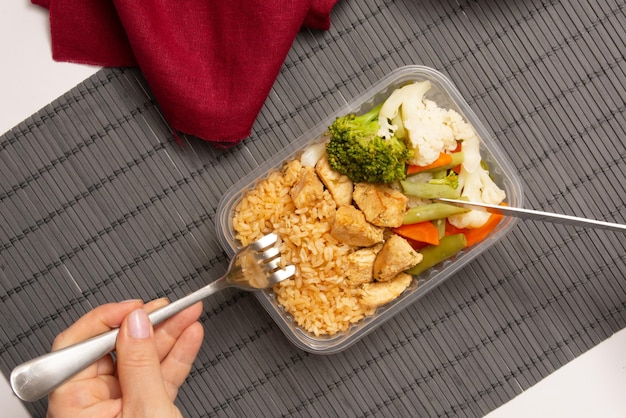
139	368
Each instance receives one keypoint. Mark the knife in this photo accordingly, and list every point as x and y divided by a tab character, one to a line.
534	214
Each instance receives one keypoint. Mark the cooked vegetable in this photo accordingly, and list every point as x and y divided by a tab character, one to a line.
444	162
476	185
429	190
475	235
448	178
356	150
421	232
430	186
433	135
431	211
435	254
440	224
390	117
313	154
431	130
444	159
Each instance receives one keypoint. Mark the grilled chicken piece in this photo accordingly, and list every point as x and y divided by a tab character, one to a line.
291	172
382	205
351	228
396	256
361	264
339	185
308	189
380	293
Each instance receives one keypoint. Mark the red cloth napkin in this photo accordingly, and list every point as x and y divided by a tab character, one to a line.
210	64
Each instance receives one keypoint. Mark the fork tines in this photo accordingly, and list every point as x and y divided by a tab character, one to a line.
269	255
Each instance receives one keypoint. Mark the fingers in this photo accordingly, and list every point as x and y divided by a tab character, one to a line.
95	322
139	368
102	319
153	305
107	408
151	365
78	398
176	366
169	331
178	342
105	366
161	358
99	320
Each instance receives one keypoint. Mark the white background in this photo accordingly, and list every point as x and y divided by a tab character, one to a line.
593	385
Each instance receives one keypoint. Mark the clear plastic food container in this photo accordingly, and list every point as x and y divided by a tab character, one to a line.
445	94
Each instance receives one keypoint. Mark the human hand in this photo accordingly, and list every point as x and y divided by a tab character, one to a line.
151	363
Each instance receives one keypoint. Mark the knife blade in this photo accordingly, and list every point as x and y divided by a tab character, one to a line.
535	215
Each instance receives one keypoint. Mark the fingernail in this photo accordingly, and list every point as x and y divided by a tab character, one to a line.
139	324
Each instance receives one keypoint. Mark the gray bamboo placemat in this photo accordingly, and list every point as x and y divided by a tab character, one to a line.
100	203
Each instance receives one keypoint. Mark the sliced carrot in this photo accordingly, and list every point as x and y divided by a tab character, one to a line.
475	235
453	230
417	245
421	232
443	159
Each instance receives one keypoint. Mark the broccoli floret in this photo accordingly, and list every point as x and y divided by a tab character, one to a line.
356	150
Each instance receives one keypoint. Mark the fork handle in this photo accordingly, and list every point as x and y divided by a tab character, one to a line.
36	378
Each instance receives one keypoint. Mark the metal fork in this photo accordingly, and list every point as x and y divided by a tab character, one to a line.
254	267
535	215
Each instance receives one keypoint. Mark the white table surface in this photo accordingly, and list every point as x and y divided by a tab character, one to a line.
592	385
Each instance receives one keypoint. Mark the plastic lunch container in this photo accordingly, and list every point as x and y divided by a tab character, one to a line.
445	94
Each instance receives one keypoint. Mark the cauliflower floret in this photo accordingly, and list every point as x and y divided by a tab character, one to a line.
429	134
387	128
431	130
462	130
471	154
390	110
476	185
472	185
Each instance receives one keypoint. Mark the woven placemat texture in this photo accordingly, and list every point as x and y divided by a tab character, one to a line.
99	203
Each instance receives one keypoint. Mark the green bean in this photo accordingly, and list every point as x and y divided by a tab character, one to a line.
457	158
439	175
435	254
430	212
440	224
428	190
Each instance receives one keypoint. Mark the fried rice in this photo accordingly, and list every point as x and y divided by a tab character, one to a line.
319	298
